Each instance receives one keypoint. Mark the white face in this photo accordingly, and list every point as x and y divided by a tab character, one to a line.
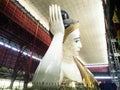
72	43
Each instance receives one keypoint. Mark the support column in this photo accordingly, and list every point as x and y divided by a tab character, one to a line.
13	79
26	80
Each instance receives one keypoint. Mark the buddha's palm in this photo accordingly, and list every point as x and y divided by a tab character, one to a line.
56	22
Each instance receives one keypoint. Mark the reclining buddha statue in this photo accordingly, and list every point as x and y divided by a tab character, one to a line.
61	68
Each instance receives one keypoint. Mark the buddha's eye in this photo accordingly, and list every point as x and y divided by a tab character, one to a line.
77	40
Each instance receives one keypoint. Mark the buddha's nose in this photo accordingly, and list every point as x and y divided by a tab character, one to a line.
80	45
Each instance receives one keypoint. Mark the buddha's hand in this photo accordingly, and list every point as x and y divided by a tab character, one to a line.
56	22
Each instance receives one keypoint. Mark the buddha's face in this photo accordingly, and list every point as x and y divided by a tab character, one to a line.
72	44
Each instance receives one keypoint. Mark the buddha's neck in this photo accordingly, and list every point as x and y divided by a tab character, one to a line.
68	57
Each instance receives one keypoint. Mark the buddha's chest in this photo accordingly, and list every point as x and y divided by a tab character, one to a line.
71	71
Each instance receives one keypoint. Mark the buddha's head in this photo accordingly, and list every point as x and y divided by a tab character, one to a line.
71	42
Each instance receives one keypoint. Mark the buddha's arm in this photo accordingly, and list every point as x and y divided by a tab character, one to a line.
50	67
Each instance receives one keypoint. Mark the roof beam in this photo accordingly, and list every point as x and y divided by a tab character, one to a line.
12	11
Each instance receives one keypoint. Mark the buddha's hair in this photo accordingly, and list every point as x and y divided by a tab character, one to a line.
66	20
69	24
